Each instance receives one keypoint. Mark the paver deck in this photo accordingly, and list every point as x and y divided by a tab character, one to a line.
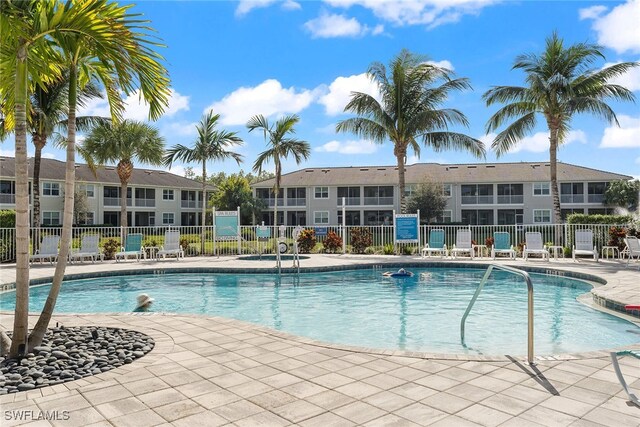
213	371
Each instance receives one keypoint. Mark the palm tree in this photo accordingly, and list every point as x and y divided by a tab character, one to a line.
113	45
411	94
280	147
559	85
211	144
124	143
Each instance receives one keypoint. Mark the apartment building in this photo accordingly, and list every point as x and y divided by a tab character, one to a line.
477	194
154	197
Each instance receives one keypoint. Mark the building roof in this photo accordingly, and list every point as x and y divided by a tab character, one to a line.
51	169
445	173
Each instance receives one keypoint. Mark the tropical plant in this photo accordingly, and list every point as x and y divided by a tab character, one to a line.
234	191
429	199
411	93
280	146
110	247
332	243
212	144
560	84
306	240
361	239
88	39
623	194
124	143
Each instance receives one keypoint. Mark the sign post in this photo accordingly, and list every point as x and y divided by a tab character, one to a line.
344	226
226	226
407	228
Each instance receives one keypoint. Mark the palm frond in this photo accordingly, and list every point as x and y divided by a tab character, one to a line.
508	138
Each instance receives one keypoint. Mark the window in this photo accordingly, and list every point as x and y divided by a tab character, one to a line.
50	218
7	192
167	194
321	193
477	217
378	195
378	217
541	216
409	189
572	192
86	189
351	217
510	194
510	216
168	218
596	191
351	196
446	190
296	196
321	217
541	189
85	218
50	189
445	218
145	197
477	194
601	211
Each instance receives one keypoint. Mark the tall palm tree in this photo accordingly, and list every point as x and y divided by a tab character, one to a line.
280	146
124	143
412	92
559	86
211	145
117	49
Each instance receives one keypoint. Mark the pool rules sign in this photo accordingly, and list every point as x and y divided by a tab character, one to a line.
406	228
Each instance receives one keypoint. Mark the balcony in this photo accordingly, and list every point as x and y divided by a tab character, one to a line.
271	202
8	198
511	200
300	201
478	200
378	201
572	198
147	203
191	204
351	201
596	198
115	201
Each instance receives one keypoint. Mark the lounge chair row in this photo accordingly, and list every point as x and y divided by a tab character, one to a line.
89	248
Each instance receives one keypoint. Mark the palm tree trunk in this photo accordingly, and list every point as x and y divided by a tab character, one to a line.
125	168
21	317
37	335
553	166
35	190
400	152
277	192
204	205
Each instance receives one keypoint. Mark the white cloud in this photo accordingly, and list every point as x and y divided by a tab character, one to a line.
47	155
625	136
418	12
246	6
630	80
332	25
618	29
340	92
135	107
349	147
180	129
176	170
7	153
538	142
592	12
269	98
442	64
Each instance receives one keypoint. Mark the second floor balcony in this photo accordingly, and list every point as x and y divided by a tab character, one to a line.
147	203
511	199
596	198
378	201
191	204
478	200
351	201
572	198
296	201
115	201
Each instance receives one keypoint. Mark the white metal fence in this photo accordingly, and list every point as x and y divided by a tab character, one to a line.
248	243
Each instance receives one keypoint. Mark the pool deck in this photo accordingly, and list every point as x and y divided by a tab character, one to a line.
214	371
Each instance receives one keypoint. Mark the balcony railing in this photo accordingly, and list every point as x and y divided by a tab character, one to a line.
190	204
378	201
271	202
350	201
572	198
149	203
596	198
477	200
511	200
8	198
293	201
115	201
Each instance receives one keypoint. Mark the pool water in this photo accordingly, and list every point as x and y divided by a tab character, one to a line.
360	307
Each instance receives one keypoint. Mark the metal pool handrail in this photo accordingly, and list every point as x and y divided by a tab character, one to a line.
527	278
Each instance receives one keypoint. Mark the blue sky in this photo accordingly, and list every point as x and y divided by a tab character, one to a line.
281	57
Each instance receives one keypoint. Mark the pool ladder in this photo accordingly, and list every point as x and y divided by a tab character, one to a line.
527	279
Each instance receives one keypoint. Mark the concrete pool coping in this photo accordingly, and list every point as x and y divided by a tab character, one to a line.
213	371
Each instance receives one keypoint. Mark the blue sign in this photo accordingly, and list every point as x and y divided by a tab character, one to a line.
321	231
406	228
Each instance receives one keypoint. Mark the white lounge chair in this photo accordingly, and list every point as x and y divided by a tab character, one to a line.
502	245
171	245
436	244
534	246
463	243
48	250
88	248
633	248
584	244
132	248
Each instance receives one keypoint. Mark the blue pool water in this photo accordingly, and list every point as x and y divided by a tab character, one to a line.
359	307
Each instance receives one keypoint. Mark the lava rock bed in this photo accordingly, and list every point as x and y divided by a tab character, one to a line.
68	354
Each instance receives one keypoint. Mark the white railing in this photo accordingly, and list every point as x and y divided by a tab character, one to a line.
382	237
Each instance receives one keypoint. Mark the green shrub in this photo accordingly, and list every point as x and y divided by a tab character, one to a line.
8	243
306	241
332	243
110	247
407	250
389	249
599	219
361	239
370	250
7	218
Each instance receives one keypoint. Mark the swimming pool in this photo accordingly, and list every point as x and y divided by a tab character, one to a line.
361	308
